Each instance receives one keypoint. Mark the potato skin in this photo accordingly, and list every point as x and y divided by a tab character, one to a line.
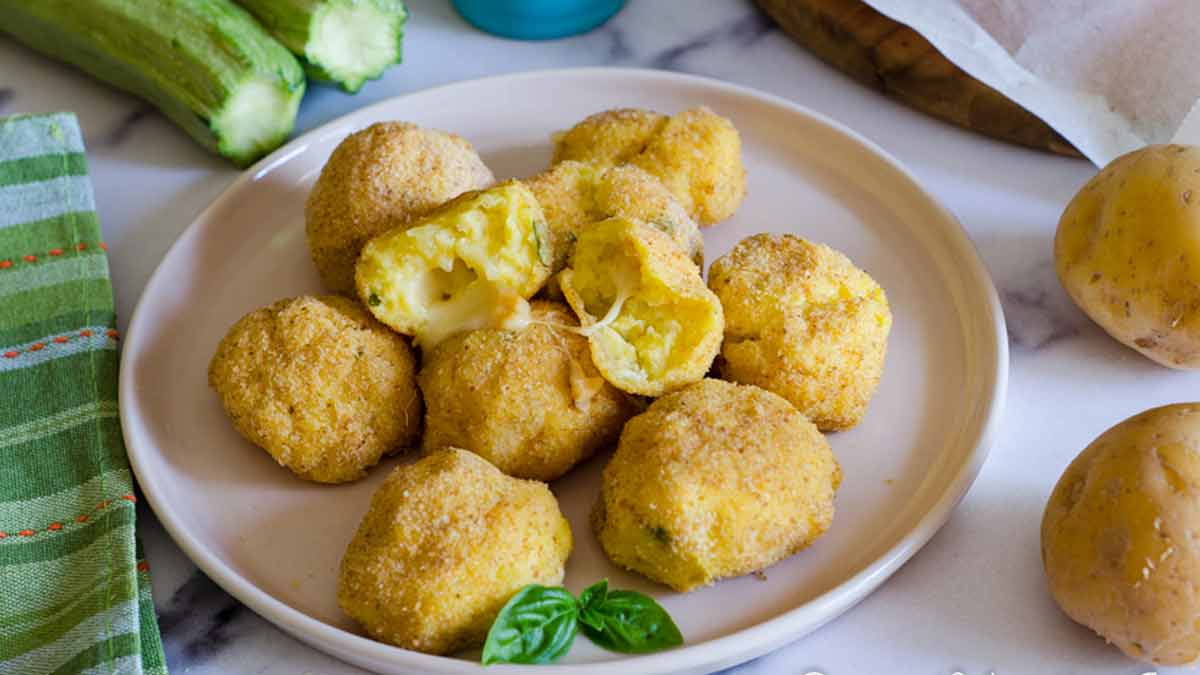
530	401
320	385
715	480
377	178
803	322
1128	252
697	154
1118	535
446	542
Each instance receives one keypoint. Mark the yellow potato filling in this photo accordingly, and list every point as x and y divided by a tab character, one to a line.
470	264
652	324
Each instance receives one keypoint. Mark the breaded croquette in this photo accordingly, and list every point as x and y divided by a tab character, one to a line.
574	195
697	154
471	263
447	541
802	321
529	401
320	385
377	178
715	480
652	324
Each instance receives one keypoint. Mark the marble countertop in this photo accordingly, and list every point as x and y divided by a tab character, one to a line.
973	601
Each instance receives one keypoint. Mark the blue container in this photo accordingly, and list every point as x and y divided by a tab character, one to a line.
537	19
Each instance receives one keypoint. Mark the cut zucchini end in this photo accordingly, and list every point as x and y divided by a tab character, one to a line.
256	119
353	41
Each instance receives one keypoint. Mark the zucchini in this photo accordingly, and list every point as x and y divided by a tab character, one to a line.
206	64
346	42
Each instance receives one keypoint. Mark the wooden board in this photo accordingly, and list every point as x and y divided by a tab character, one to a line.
895	59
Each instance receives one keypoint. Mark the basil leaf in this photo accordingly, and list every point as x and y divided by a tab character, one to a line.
537	625
632	623
589	602
593	596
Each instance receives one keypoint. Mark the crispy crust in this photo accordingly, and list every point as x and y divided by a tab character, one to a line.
715	480
802	321
320	385
377	178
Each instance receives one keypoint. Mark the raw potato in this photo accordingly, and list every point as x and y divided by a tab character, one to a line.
653	325
470	264
697	154
320	385
1128	252
447	541
1119	536
715	480
529	401
803	322
574	195
377	178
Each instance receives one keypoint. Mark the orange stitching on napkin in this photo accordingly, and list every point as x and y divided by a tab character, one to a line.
54	253
80	519
59	340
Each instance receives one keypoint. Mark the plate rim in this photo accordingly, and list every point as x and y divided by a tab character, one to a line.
724	651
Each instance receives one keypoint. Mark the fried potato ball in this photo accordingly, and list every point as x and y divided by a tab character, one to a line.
652	324
320	385
574	195
697	154
472	263
609	138
379	177
802	321
1119	536
447	541
529	401
1128	252
715	480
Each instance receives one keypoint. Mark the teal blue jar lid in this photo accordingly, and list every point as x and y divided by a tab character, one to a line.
537	19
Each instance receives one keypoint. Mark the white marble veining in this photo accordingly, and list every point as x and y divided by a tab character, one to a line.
973	601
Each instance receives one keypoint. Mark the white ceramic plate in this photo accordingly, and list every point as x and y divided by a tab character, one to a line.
275	542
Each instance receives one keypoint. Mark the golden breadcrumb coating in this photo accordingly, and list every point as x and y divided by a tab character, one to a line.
320	385
652	324
610	137
802	321
447	541
377	178
1119	536
574	195
715	480
529	401
697	154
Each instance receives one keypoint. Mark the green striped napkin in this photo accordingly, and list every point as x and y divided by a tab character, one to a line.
74	591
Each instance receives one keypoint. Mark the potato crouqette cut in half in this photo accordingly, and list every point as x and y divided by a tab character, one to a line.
529	401
715	480
652	324
446	542
377	178
1128	252
803	322
1119	536
574	195
697	154
472	263
320	385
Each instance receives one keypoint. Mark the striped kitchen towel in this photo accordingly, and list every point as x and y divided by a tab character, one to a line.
74	592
